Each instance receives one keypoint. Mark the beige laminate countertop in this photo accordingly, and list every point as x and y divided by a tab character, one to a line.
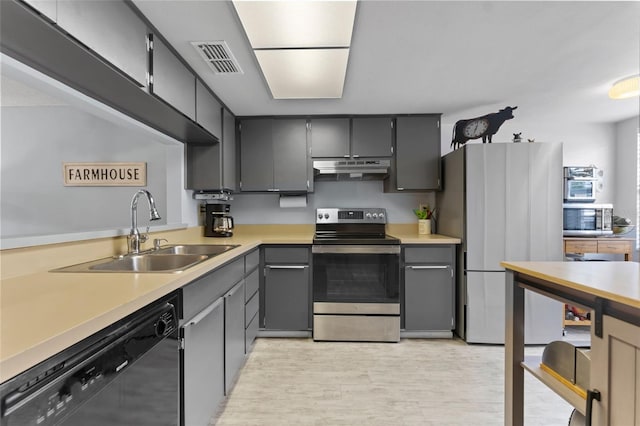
616	281
43	313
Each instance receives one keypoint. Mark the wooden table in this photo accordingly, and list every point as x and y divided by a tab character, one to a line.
612	291
614	245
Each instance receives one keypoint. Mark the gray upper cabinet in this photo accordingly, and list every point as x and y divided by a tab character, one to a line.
290	155
213	167
208	110
273	155
109	28
329	137
47	8
417	154
229	178
256	155
372	137
203	169
172	81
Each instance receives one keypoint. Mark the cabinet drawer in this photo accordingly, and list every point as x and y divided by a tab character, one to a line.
201	292
438	254
251	285
614	247
286	255
250	334
573	246
251	261
251	309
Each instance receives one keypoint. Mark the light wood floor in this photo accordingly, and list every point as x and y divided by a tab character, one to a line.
414	382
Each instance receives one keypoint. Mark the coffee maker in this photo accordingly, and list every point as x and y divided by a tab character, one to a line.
218	222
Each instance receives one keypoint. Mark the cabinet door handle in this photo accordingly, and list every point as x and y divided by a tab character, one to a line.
234	289
429	267
287	266
205	312
591	395
355	156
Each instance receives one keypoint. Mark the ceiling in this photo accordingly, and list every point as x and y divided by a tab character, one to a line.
554	60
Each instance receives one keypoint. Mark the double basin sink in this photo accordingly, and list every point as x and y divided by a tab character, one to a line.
165	259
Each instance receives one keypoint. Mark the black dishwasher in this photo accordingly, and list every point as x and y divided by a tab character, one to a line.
127	374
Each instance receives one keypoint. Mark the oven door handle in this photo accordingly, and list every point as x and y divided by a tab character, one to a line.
286	266
429	267
356	249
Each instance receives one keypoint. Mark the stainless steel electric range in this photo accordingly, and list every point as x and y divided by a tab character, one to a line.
356	276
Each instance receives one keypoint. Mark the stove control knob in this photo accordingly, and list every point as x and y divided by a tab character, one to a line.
381	215
319	215
368	215
375	215
326	215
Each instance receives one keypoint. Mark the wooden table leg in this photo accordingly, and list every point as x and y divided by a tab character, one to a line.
514	353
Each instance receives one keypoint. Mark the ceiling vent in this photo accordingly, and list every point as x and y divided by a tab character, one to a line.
218	55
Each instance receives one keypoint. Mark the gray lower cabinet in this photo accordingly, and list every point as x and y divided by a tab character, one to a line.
213	340
234	340
429	288
109	28
287	284
203	361
252	304
417	154
273	155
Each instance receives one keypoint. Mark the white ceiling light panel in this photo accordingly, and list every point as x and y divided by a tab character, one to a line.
287	24
304	73
302	46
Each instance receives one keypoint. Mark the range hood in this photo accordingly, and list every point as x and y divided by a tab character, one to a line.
351	169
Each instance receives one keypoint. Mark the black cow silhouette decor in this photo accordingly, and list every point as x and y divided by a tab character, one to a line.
480	127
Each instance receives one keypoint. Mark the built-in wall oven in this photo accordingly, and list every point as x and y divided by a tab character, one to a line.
356	277
127	374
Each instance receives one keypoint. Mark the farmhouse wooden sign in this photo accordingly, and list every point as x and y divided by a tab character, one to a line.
105	174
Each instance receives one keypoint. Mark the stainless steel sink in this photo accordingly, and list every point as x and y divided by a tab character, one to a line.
206	249
166	259
150	263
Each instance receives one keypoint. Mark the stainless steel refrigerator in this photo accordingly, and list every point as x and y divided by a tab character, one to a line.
504	201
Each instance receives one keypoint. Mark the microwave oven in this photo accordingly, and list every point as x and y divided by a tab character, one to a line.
581	184
587	220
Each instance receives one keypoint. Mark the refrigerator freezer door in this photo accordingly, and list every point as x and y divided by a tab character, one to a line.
485	312
485	319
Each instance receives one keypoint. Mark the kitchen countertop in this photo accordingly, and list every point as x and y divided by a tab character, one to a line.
616	281
43	313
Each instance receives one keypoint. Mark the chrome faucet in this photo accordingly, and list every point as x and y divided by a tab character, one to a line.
135	238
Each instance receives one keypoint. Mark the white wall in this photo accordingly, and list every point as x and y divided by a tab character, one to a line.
626	168
583	144
45	123
627	171
264	208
